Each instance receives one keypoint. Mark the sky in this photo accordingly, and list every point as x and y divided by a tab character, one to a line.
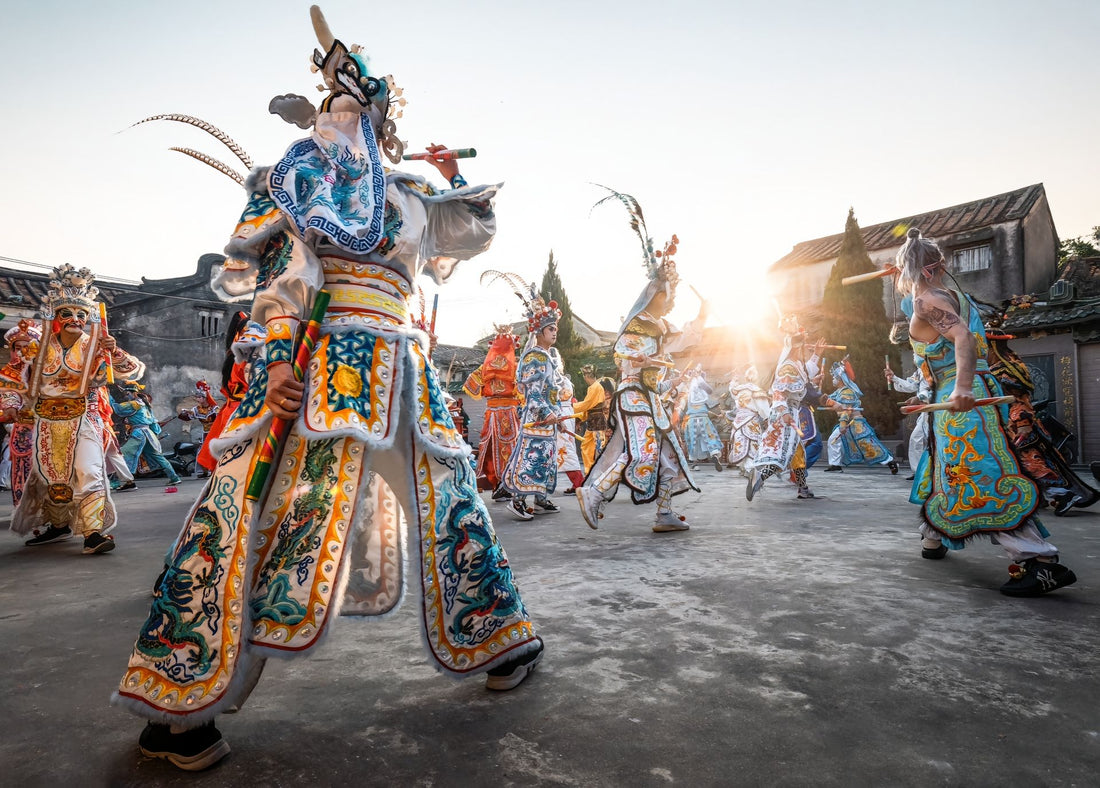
743	127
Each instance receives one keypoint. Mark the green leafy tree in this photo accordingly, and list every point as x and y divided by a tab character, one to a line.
1081	246
855	316
569	344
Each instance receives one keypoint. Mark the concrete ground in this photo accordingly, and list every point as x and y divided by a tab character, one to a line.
781	643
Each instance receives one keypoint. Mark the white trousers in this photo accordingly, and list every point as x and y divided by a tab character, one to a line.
1023	543
918	441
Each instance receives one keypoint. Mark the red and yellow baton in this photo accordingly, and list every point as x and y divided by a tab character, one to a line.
107	355
273	443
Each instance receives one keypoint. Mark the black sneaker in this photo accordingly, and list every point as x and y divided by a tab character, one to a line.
512	673
130	485
717	464
50	535
546	506
1035	578
500	494
517	508
910	477
193	750
805	493
95	542
834	469
934	553
893	466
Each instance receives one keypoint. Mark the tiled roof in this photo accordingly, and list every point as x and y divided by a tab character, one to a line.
934	224
1051	315
26	288
462	357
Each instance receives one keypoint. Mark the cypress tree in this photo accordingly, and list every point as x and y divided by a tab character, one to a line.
855	316
569	344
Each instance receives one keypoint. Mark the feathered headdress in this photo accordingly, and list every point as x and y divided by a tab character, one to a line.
540	314
70	287
659	265
214	132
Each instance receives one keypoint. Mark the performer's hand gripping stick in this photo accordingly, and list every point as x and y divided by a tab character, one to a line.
276	435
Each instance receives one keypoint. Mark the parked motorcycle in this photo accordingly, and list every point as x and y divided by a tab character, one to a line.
181	458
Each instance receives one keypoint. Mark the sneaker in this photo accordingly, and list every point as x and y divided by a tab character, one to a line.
570	491
910	477
670	521
934	553
834	469
519	509
512	673
717	464
1035	578
192	751
124	486
50	535
805	493
1063	503
500	494
591	501
545	506
95	542
893	466
754	484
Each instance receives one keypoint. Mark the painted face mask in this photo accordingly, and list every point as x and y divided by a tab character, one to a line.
72	318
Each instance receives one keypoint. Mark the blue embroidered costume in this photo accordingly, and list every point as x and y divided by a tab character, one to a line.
853	439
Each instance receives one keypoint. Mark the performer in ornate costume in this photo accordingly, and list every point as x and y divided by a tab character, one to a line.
853	439
916	385
370	437
592	410
781	448
532	469
243	343
143	443
644	452
1061	487
569	462
205	412
701	441
750	419
495	380
969	483
67	490
22	341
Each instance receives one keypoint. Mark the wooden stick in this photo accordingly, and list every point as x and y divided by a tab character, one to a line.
978	403
851	280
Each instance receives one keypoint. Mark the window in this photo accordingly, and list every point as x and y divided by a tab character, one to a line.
210	323
976	258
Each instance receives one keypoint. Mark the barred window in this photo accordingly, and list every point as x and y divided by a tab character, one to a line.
210	323
975	258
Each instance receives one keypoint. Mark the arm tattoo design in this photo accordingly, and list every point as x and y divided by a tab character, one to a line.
942	320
